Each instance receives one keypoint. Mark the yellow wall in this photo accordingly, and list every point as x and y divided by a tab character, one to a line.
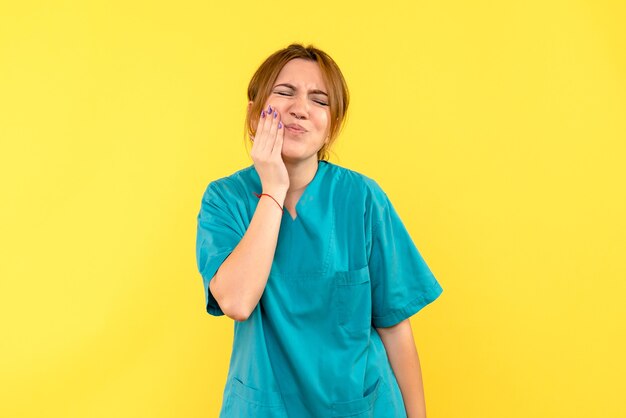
497	129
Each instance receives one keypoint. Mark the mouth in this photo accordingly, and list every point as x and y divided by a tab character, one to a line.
295	128
295	131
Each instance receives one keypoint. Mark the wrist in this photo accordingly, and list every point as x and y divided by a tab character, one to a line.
278	194
275	196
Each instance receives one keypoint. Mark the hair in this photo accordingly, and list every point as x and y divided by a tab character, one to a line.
260	87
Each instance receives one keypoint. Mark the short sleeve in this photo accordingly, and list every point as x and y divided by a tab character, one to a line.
402	283
217	236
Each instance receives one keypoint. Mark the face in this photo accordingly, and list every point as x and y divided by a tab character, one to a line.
300	96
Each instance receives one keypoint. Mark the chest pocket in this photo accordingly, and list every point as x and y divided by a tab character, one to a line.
353	300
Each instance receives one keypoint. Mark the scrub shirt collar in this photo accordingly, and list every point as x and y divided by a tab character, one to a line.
309	194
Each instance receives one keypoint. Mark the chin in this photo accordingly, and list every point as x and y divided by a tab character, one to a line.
292	157
295	150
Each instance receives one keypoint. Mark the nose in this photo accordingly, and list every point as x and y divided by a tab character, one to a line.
298	108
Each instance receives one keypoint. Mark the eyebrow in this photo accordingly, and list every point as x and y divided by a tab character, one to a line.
293	88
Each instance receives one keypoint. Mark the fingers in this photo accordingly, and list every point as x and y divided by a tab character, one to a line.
278	143
259	136
267	132
272	133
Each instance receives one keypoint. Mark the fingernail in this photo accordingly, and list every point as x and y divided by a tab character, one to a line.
280	125
275	114
263	114
269	109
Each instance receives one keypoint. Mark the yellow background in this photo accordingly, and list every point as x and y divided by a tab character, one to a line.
497	129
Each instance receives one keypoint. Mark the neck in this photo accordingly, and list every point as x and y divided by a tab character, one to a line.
301	173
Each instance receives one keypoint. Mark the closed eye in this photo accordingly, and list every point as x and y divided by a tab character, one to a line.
282	93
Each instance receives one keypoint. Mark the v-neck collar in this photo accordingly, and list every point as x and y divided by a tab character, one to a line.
305	196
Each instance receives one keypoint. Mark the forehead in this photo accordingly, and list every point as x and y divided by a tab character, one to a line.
302	73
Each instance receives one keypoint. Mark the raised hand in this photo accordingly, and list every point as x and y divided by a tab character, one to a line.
266	152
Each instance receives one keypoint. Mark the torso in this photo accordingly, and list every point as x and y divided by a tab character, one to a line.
309	348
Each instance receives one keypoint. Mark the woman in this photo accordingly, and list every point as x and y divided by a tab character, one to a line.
311	260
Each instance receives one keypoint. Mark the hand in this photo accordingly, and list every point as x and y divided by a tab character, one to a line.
266	152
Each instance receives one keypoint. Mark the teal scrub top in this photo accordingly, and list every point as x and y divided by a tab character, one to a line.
343	267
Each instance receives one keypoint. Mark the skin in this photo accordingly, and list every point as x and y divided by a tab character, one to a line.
400	346
298	150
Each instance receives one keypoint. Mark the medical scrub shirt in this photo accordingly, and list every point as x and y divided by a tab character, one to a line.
343	267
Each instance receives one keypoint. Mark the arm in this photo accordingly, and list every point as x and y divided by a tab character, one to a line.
240	281
400	347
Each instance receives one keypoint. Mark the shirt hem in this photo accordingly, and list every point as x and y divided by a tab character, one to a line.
410	309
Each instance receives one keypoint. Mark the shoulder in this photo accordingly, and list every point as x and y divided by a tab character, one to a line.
233	185
357	183
353	179
355	189
226	197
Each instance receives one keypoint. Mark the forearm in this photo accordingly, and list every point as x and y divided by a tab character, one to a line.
404	360
241	279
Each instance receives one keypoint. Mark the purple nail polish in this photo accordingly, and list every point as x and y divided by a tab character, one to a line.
263	114
275	114
269	112
280	125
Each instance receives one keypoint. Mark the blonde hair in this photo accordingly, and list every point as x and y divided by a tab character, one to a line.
260	87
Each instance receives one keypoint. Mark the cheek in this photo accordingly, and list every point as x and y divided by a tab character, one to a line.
327	127
323	121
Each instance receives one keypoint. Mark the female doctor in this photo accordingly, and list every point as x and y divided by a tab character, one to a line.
311	261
